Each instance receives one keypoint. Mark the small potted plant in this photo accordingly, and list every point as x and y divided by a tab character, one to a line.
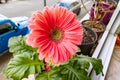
89	40
102	10
49	50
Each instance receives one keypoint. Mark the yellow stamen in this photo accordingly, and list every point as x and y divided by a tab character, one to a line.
56	34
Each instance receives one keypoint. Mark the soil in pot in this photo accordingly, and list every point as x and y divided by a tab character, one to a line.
96	26
89	40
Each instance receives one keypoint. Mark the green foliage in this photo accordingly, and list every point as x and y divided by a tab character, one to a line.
22	65
85	62
75	69
71	73
25	61
53	74
17	45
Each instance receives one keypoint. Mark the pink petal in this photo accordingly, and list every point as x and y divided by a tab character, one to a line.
67	20
62	51
42	55
69	48
46	47
55	57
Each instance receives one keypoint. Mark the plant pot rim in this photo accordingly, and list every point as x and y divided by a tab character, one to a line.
95	34
103	26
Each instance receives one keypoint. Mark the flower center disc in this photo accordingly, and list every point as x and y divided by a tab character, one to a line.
56	34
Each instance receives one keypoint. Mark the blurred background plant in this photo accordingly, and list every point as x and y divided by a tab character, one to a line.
102	10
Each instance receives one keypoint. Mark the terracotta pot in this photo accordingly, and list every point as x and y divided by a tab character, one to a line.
102	11
89	40
96	26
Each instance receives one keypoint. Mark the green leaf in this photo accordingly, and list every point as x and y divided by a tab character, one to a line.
79	50
75	69
96	63
17	45
53	74
22	65
64	72
72	73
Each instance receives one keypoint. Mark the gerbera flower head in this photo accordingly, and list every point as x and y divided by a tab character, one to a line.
56	32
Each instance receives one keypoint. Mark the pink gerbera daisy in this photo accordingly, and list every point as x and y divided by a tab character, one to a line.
56	33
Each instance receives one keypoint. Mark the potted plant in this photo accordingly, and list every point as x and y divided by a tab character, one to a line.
49	50
89	40
102	10
100	14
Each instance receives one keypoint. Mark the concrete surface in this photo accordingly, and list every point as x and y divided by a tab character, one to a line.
23	7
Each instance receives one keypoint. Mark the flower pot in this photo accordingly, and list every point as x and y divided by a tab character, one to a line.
102	11
89	40
96	26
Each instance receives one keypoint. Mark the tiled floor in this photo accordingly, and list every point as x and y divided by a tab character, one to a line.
112	74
